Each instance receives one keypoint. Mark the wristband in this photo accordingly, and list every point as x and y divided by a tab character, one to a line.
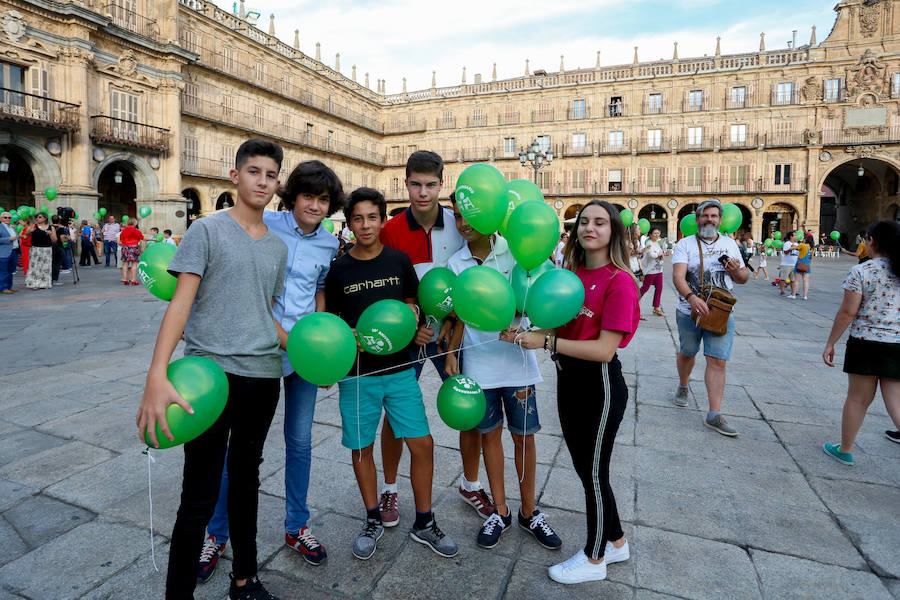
546	341
689	295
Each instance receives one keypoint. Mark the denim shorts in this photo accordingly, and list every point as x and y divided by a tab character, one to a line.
398	393
689	335
521	413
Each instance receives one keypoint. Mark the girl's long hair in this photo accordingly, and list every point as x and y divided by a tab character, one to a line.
574	255
886	235
634	238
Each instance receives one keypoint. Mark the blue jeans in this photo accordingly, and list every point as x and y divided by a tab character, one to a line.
67	256
690	336
299	407
110	248
7	268
439	362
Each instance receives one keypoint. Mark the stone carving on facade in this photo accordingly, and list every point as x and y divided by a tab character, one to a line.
127	64
75	55
863	151
812	137
125	70
868	75
869	15
811	90
13	25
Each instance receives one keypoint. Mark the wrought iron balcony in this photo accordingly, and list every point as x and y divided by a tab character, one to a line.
542	116
688	144
735	101
38	111
130	134
131	21
578	112
784	139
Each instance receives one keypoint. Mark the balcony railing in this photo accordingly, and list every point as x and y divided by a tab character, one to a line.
727	142
582	112
798	185
784	139
508	118
687	144
655	107
661	145
541	116
476	121
132	21
206	167
689	104
130	134
38	111
733	101
615	109
607	147
785	97
585	149
839	137
477	154
445	123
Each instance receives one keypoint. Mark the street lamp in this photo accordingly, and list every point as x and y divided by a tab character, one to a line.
860	172
535	156
117	176
4	164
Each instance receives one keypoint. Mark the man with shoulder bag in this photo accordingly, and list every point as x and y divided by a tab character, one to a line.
705	268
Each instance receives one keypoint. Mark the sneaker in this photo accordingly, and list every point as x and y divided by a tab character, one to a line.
720	425
65	271
805	298
252	590
367	540
577	569
894	436
537	526
681	397
614	555
834	451
57	283
390	515
432	536
792	296
492	528
209	558
307	545
479	500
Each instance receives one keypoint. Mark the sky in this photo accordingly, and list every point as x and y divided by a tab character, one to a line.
392	39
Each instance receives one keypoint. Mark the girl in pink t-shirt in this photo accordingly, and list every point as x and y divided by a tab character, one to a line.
591	391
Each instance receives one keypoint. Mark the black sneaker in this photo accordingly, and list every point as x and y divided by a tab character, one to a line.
209	558
537	526
894	436
252	590
492	528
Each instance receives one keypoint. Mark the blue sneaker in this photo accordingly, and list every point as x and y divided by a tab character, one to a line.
834	451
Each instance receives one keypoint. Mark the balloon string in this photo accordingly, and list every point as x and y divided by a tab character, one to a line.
358	434
494	254
410	363
525	401
524	299
150	461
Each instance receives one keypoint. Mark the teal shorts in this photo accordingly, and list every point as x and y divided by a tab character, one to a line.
398	393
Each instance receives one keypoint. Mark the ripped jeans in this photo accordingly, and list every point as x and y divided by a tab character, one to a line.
520	406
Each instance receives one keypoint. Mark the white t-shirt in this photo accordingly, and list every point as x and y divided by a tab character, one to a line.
496	364
686	251
558	255
653	257
169	241
789	254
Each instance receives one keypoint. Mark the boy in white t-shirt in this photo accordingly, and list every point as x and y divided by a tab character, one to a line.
507	374
789	253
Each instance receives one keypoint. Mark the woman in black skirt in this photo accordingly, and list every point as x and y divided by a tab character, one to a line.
871	309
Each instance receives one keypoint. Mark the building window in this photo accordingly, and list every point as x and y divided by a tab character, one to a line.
395	154
410	149
738	96
191	91
737	175
509	146
544	180
227	106
478	118
285	84
695	136
259	115
578	109
654	177
544	142
189	163
543	112
654	103
784	93
738	134
12	77
654	138
286	121
695	99
579	141
227	160
259	70
895	85
330	139
447	120
616	106
395	185
782	174
228	59
123	106
832	90
616	139
615	180
694	176
510	175
578	178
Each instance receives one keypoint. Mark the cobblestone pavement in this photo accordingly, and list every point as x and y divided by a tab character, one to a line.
766	515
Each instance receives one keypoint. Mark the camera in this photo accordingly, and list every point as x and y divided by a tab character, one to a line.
65	214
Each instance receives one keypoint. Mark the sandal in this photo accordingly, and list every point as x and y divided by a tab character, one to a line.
124	282
135	283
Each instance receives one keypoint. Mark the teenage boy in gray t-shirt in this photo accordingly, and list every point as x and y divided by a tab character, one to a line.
229	268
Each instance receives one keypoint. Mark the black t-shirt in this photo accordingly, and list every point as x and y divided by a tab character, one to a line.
352	285
40	238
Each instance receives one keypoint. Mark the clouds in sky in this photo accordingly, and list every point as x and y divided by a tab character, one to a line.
392	39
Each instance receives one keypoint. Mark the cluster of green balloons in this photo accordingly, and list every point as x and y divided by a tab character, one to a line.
144	211
386	327
153	269
461	402
204	385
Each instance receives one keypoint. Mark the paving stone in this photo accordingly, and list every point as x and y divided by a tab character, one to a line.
868	469
15	446
865	500
877	541
564	490
52	465
12	492
41	518
6	427
790	578
893	585
41	411
529	580
110	427
12	543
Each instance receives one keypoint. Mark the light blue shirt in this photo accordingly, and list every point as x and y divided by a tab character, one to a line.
309	258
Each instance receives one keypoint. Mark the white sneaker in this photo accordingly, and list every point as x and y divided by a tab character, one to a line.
792	297
805	298
577	569
613	555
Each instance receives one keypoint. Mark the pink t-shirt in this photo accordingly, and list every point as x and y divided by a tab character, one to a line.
611	302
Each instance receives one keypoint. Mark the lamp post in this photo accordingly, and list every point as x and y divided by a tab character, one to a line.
535	156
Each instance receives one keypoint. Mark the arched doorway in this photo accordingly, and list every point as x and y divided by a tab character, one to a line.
118	191
193	208
658	217
746	221
43	169
224	201
16	179
856	194
779	217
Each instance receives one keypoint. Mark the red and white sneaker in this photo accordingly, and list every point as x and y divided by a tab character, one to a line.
209	558
479	500
307	545
387	506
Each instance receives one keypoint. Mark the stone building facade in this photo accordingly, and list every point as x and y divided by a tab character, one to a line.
126	103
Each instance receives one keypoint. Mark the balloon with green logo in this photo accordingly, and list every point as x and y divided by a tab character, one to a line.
23	211
688	225
768	243
778	244
522	280
461	403
520	191
14	216
483	298
125	219
386	327
45	209
102	211
644	226
799	234
533	233
144	211
96	216
153	270
482	197
434	292
321	348
835	235
555	299
50	194
731	218
328	224
769	252
158	237
777	235
204	385
627	217
19	228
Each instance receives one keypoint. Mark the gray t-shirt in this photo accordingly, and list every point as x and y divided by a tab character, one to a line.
231	319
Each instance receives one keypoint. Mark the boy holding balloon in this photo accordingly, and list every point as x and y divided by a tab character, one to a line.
368	275
229	256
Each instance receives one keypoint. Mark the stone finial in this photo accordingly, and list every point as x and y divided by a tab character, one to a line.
434	79
296	39
464	76
367	81
597	66
271	24
337	62
494	73
635	55
319	51
675	52
353	77
404	85
762	42
812	38
718	45
242	12
527	70
561	67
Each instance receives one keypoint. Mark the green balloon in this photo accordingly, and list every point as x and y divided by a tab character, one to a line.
768	243
769	252
627	217
50	193
520	191
555	299
159	237
835	235
386	327
778	244
23	210
644	226
520	281
434	292
45	210
328	224
144	211
125	219
688	224
96	216
731	218
483	298
461	403
482	197
321	348
533	233
777	235
153	270
204	385
19	228
14	216
102	211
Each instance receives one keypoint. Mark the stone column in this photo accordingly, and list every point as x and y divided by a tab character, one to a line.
76	188
169	201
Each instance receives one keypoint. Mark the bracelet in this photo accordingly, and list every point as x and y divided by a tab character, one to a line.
689	295
555	339
546	341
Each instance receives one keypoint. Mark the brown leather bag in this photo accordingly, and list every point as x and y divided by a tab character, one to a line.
719	300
